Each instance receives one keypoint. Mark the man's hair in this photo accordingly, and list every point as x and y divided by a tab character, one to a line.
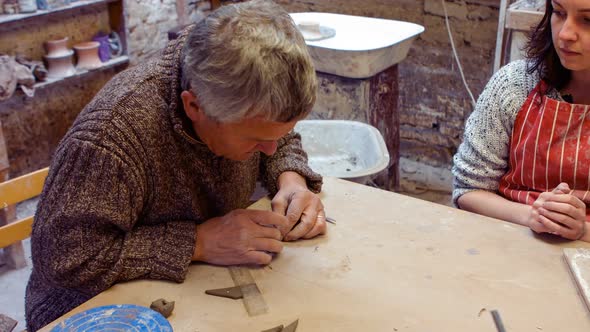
543	58
249	59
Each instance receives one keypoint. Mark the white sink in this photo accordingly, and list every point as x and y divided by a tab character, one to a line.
344	149
362	46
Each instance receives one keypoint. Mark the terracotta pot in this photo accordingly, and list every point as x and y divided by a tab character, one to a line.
88	55
61	65
57	47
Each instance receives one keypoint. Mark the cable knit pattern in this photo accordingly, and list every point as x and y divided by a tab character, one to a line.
127	186
483	156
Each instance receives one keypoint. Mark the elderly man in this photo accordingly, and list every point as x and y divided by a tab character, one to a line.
156	170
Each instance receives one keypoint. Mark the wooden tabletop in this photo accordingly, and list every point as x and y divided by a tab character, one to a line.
391	263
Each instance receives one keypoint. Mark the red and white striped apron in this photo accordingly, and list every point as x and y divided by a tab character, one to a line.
550	144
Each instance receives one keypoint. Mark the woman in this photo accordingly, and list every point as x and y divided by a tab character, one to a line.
525	157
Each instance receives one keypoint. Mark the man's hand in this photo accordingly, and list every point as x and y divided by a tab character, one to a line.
304	209
560	213
240	237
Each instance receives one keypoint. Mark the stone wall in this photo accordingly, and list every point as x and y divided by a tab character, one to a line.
148	22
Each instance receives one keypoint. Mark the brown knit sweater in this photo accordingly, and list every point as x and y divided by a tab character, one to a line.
127	186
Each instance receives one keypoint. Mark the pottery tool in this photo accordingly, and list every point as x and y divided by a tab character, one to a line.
578	260
252	297
498	321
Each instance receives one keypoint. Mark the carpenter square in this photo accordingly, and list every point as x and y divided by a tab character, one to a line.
253	300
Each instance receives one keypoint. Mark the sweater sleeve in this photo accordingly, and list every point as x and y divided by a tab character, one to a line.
88	232
483	156
288	157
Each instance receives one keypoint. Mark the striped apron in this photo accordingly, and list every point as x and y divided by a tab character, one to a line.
550	144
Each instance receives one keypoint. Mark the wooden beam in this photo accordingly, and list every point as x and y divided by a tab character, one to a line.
499	54
522	19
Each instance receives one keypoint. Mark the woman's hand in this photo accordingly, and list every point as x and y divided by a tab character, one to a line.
559	213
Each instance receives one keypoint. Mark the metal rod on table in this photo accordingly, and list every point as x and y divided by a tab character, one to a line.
498	321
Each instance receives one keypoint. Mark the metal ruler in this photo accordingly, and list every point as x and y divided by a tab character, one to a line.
253	300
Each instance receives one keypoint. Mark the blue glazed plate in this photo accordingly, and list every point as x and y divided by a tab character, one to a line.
120	317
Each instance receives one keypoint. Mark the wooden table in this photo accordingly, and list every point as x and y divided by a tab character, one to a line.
391	263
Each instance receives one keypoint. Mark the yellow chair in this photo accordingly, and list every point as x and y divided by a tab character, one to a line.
11	192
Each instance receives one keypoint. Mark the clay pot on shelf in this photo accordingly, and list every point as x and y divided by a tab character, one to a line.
57	47
87	53
59	66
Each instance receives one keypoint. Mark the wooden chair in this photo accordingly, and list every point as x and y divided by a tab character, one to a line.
13	232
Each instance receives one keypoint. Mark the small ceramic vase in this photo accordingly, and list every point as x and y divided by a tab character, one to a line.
88	55
57	47
27	6
42	4
104	51
59	66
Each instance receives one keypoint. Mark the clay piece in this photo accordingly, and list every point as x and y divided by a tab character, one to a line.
87	53
163	307
291	327
313	31
6	323
275	329
230	292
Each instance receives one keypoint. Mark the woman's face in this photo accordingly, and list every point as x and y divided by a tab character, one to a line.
570	26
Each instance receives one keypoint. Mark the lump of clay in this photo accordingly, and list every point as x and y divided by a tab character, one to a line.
275	329
163	307
230	292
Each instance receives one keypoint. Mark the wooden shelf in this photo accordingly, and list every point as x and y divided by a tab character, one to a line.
121	60
7	18
118	61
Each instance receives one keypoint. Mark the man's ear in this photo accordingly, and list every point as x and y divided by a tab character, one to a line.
191	105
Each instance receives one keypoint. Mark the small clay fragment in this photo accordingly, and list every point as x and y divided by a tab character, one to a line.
230	292
291	327
275	329
163	307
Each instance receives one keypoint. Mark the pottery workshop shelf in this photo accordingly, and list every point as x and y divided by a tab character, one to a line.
121	60
6	18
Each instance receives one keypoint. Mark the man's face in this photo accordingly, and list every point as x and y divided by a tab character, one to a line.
240	140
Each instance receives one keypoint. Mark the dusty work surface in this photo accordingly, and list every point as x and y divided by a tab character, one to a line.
391	263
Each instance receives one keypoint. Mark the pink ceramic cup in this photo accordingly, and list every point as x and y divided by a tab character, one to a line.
61	65
57	47
88	55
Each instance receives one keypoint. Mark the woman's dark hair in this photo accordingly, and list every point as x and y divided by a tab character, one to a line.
542	55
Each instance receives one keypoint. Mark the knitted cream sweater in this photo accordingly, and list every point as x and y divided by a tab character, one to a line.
482	158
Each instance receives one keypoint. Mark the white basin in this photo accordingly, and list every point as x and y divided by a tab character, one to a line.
344	149
362	46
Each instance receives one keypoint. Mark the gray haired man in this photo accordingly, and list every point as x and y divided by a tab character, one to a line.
157	169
